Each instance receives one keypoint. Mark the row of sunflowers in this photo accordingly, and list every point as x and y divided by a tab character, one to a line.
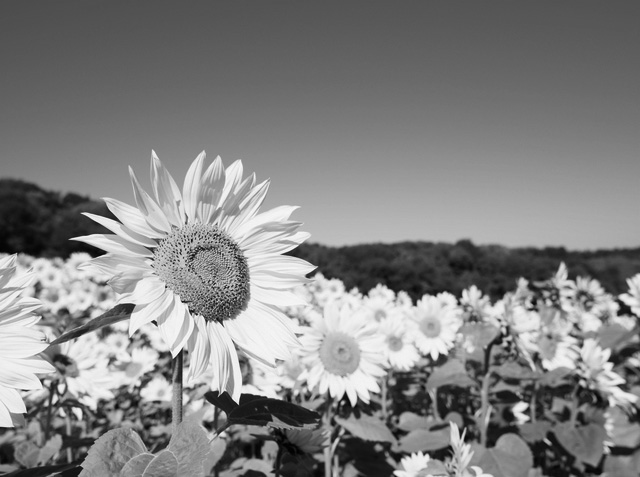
551	363
197	347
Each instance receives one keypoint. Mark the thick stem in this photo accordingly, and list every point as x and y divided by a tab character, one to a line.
176	401
328	451
69	431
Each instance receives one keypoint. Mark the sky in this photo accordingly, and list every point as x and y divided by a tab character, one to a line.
512	123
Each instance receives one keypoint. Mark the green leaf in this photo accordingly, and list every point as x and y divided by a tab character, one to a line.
164	464
262	411
451	373
480	334
436	468
190	445
51	447
511	457
409	421
111	452
556	377
424	440
622	432
26	453
217	449
221	401
511	370
535	431
136	466
44	471
114	315
367	428
584	442
614	335
622	465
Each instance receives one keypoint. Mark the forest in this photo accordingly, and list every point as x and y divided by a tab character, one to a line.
38	222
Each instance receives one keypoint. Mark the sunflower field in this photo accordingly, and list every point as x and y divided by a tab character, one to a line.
199	348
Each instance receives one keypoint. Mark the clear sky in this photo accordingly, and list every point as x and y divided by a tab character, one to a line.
516	123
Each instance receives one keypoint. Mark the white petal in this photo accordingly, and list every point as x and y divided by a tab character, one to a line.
166	192
191	188
122	230
152	212
226	367
115	244
132	218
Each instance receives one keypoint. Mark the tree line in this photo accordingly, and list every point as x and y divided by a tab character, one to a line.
40	223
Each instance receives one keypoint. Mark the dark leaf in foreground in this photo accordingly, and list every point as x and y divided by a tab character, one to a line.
263	411
114	315
45	471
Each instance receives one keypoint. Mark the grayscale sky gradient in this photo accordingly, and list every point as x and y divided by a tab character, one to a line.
515	123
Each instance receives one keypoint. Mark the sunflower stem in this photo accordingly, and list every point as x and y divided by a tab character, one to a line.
328	451
176	401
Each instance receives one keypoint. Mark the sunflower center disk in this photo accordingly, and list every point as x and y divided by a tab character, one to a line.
431	327
206	268
340	354
395	343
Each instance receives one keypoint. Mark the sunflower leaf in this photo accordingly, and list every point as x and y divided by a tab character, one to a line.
111	452
114	315
190	446
367	427
222	401
452	373
263	411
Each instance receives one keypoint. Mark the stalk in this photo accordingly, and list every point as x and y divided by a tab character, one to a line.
176	401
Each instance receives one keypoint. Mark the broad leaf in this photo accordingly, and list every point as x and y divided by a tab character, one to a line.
136	466
424	440
263	411
367	427
190	446
221	401
535	431
511	457
480	334
410	421
111	452
164	464
114	315
452	373
511	370
44	471
556	377
584	442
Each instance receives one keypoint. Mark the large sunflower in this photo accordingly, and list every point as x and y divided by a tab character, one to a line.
20	344
206	266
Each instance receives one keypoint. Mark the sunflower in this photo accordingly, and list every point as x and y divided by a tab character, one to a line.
399	349
19	343
436	322
206	266
341	354
413	465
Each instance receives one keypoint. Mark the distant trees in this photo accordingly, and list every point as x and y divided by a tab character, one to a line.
427	267
40	223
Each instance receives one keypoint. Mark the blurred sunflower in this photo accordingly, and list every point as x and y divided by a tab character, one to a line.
206	266
413	465
19	343
341	354
399	348
436	323
596	372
